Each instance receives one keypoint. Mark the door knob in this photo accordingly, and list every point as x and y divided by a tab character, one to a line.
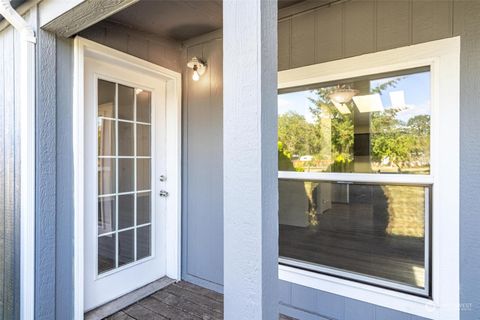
163	193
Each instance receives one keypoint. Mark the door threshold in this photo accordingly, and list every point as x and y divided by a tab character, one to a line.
130	298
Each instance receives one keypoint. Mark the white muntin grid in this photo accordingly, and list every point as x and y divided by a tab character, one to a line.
116	157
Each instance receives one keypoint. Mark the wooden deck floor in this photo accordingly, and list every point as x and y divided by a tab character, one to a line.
179	301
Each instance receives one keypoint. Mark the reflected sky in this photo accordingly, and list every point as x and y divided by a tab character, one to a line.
416	89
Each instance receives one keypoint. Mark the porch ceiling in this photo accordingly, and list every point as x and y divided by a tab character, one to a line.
174	19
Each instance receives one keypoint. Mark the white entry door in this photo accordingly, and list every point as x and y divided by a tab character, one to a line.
125	180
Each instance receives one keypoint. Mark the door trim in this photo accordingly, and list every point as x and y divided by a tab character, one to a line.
83	48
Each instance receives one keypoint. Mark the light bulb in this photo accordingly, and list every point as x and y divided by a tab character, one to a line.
195	76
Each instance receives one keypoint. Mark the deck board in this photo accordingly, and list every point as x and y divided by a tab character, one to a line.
178	301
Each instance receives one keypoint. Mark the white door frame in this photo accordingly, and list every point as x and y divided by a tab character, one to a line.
82	48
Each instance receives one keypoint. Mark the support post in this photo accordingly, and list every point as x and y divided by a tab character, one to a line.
250	159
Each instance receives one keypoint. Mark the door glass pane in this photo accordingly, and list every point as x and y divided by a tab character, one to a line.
143	106
106	137
125	102
106	99
143	174
143	207
106	214
126	174
126	247
371	124
143	242
143	140
125	138
126	210
106	176
106	252
370	230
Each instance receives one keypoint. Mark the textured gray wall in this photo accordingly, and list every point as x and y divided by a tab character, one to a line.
45	176
64	267
9	175
467	24
250	183
54	179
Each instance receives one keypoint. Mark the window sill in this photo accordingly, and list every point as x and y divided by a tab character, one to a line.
419	306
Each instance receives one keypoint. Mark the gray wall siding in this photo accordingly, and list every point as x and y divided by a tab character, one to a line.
467	24
361	26
45	187
202	212
9	175
326	34
161	51
45	175
64	267
310	304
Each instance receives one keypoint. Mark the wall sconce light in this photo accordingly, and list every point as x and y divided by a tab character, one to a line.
198	67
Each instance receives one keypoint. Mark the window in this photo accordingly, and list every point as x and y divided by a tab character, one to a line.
374	231
124	170
434	178
372	124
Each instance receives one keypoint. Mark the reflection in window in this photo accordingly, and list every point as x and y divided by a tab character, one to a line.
374	232
370	230
372	124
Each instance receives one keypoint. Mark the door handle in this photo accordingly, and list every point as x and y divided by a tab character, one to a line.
163	193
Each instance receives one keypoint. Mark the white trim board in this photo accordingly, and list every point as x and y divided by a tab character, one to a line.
82	48
443	57
25	94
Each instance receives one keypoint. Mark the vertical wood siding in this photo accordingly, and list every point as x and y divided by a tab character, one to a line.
161	51
64	292
467	24
358	27
9	176
202	212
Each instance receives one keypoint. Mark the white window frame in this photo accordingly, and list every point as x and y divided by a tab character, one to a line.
443	57
82	48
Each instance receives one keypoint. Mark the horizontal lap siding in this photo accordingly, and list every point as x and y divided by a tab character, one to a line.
9	176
